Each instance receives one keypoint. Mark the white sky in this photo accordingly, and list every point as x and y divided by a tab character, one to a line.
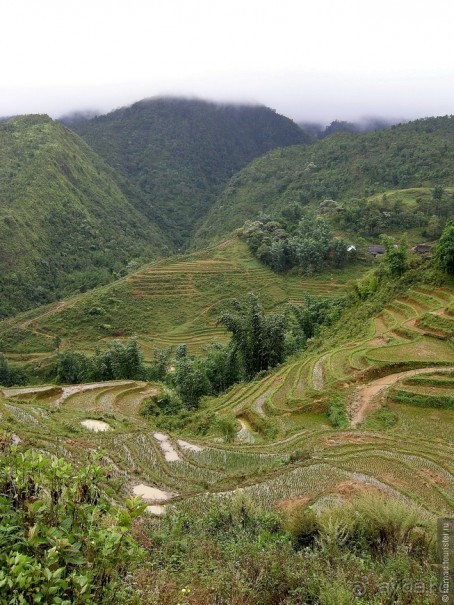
310	60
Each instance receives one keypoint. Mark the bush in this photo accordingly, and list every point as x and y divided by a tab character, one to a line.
219	548
382	419
163	403
337	413
227	427
61	542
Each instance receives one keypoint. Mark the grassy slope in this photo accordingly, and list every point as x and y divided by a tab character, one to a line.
411	457
415	155
168	302
64	222
176	154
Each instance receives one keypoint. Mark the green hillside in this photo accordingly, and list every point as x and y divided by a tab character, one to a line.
389	372
356	431
65	225
175	155
171	301
346	168
304	458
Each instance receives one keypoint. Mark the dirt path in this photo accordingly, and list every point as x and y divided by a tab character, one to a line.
25	325
367	398
245	433
318	381
258	404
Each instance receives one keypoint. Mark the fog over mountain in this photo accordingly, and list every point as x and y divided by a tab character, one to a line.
317	62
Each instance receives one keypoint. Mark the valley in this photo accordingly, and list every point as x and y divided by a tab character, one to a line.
399	452
226	357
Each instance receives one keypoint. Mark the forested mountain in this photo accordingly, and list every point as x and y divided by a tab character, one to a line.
69	221
176	155
340	168
64	223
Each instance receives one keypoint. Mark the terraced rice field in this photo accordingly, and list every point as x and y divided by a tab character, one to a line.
305	458
169	302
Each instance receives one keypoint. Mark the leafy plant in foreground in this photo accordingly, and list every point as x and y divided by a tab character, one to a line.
61	542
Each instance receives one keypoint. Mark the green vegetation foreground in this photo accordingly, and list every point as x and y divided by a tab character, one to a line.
63	544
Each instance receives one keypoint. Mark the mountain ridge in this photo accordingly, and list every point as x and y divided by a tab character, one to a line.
178	153
62	215
340	167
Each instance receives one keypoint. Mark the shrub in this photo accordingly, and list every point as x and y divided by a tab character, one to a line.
227	427
61	542
337	413
382	419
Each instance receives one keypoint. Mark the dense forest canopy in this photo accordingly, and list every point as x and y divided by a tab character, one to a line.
345	168
176	172
177	154
65	225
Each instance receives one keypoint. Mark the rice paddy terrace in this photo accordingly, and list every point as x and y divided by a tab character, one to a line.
168	302
397	383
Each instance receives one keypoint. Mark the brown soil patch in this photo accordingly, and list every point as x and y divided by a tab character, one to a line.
80	444
351	489
367	397
345	439
435	477
150	392
414	323
289	505
380	340
391	479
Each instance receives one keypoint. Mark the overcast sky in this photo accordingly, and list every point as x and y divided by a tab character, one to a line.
311	60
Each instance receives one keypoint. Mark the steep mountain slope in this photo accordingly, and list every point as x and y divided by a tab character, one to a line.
177	154
166	303
64	223
341	167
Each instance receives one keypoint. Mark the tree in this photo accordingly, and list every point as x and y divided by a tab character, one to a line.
437	196
4	371
118	361
221	367
444	252
73	367
437	193
395	257
191	381
133	360
161	359
433	228
339	253
258	340
181	352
